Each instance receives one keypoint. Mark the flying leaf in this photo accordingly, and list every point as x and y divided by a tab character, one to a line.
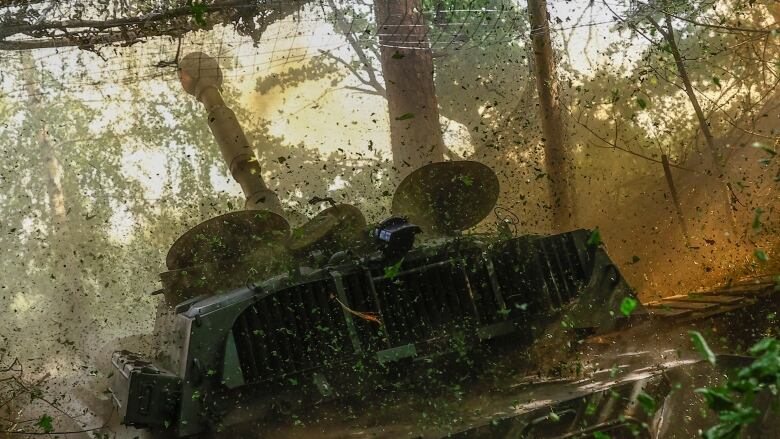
717	398
405	116
628	305
398	55
647	402
761	255
467	180
641	102
701	345
198	11
615	95
45	423
613	372
392	271
594	240
757	220
716	81
764	148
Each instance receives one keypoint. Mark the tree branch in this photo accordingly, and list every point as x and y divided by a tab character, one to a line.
172	22
715	26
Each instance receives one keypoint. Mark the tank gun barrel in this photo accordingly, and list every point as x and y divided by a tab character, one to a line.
201	76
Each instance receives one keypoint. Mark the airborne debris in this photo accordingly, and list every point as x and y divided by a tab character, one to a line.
45	423
627	306
594	240
701	345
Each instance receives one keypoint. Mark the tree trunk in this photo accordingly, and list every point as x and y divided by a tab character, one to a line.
675	199
407	68
668	34
689	91
64	262
555	154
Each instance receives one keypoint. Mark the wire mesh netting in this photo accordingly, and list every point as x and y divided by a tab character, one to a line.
145	46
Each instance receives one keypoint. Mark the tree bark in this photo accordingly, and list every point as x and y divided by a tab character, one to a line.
555	154
407	68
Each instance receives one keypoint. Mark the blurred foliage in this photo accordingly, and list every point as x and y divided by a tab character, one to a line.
734	401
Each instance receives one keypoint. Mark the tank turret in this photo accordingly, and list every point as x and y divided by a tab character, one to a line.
217	253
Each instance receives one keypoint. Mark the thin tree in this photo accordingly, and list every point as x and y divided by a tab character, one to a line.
555	153
667	32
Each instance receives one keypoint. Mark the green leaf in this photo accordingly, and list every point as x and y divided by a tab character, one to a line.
647	402
764	148
467	180
761	255
594	240
701	345
722	431
635	259
717	398
45	423
641	102
627	306
734	401
740	415
392	271
766	344
398	55
757	220
600	435
405	116
716	81
615	95
198	11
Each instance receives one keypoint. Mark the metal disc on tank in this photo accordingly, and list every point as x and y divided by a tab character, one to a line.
227	236
340	223
446	197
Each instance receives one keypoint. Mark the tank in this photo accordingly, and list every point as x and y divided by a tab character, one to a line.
410	328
